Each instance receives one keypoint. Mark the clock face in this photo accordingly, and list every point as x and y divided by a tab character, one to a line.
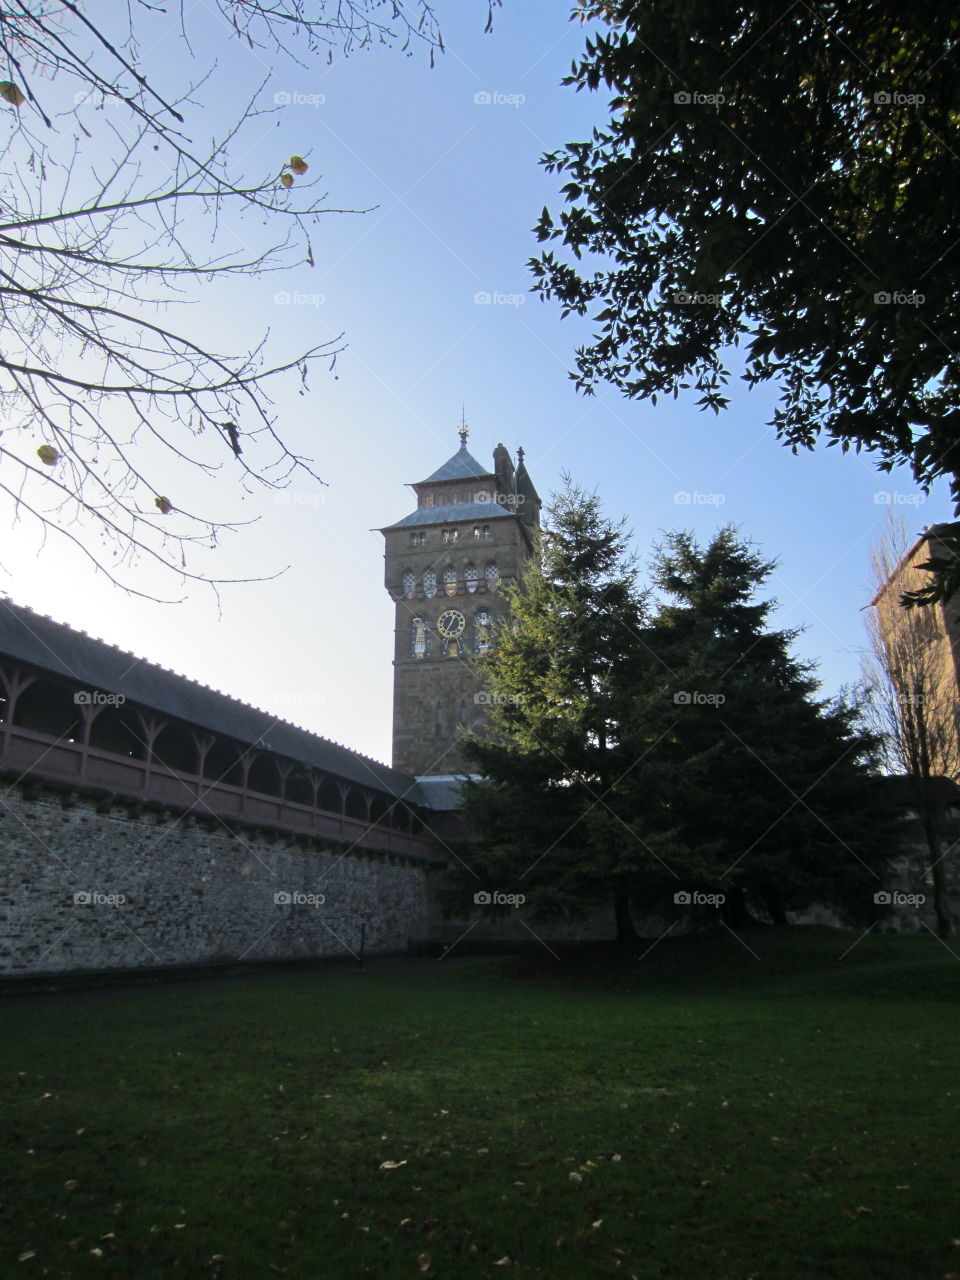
451	623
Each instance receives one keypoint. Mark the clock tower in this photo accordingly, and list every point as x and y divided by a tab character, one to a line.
446	565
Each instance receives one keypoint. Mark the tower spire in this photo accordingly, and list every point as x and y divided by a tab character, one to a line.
463	430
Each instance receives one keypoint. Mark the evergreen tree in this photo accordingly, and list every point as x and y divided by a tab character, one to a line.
774	786
638	757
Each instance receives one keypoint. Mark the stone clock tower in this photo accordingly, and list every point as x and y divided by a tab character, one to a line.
446	563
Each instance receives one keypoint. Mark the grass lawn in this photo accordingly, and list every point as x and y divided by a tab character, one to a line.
699	1113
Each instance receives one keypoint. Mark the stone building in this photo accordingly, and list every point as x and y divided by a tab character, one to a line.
445	566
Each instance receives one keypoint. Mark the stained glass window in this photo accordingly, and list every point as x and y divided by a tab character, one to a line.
450	581
419	638
409	584
492	575
470	579
430	584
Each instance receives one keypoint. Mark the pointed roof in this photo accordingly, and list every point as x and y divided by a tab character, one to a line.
462	466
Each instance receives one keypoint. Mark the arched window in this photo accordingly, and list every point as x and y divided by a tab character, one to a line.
264	776
419	638
492	575
329	797
430	584
175	748
482	630
49	707
409	584
222	763
470	580
118	730
450	581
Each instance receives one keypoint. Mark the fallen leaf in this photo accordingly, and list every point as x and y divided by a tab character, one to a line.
393	1164
423	1262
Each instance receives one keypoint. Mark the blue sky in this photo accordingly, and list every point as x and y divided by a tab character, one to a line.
445	160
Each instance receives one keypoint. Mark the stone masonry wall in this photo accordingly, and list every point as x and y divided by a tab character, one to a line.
98	886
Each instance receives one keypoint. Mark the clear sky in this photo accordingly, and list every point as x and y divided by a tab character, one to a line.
445	160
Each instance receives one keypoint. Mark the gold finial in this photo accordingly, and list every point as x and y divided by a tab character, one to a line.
463	430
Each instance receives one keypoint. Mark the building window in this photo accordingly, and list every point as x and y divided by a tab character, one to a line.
409	584
430	584
417	538
428	500
455	497
481	532
470	579
419	638
482	631
450	581
450	535
492	575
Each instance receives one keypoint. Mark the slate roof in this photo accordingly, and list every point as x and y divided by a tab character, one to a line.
451	513
442	791
462	466
91	663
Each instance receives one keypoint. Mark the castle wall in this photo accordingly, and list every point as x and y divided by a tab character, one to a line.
88	884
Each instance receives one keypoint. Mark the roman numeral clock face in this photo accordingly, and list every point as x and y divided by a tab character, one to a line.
451	623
